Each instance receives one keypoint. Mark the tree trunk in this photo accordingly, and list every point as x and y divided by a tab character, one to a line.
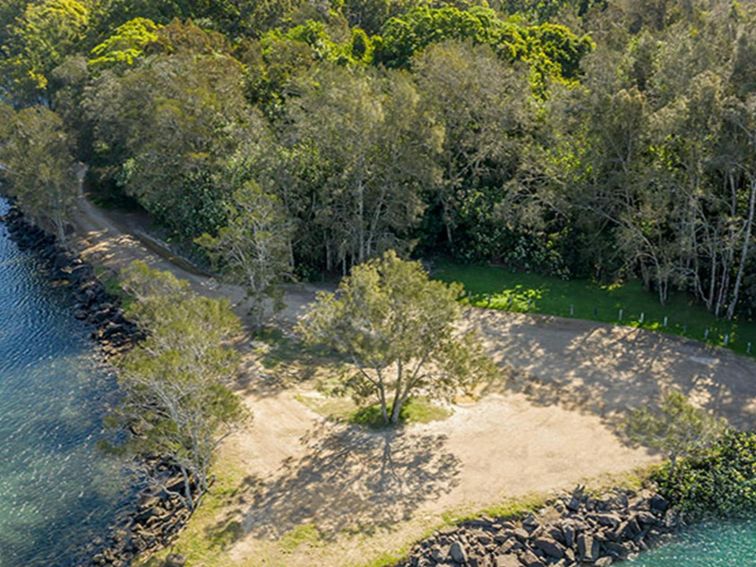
188	500
744	252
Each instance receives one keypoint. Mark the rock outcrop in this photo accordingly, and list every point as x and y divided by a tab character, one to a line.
574	529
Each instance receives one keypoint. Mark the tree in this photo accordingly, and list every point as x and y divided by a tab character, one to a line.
482	105
176	384
42	37
254	248
163	132
677	429
358	150
40	168
125	44
398	328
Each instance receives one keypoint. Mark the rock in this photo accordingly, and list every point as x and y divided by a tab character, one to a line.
550	547
457	552
521	534
530	523
507	561
610	519
604	562
439	554
568	529
658	503
530	559
646	518
175	560
588	548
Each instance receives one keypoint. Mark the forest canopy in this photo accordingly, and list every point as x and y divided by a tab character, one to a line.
582	138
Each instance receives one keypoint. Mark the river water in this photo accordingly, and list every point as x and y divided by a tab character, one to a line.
727	544
57	490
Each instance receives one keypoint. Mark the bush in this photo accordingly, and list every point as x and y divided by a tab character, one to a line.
721	482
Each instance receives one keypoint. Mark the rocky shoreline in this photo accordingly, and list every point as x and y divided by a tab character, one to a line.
153	516
574	529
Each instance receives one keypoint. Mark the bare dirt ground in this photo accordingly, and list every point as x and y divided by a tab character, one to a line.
552	424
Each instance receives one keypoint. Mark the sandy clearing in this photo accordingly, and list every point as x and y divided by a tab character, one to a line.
549	427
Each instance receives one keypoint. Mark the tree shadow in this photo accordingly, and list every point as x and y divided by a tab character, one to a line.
607	370
348	480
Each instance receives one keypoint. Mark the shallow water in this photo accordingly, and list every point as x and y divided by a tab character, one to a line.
57	490
727	544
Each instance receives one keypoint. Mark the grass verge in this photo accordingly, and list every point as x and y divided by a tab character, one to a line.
625	303
342	409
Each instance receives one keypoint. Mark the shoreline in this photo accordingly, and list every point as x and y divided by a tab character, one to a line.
569	530
149	519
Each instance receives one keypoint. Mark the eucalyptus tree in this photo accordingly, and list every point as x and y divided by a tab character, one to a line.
253	248
361	151
481	105
398	328
38	41
176	384
39	167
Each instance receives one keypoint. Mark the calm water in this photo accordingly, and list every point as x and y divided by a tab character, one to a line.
57	492
713	545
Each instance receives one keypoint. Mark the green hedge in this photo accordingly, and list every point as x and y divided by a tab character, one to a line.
720	483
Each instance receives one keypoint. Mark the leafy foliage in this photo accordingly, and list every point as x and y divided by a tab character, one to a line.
253	249
126	44
398	329
721	482
39	40
177	399
677	429
38	165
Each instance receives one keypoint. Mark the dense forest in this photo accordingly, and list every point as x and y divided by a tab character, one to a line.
581	138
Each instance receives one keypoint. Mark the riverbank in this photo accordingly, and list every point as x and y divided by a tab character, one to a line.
305	490
573	529
152	517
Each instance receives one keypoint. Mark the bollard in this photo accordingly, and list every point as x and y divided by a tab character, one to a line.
706	334
748	348
666	320
726	339
642	317
621	312
572	310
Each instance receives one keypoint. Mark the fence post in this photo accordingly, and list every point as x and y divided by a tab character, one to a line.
666	320
748	348
706	334
726	339
621	312
572	310
642	317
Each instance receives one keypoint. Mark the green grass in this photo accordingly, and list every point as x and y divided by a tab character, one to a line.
343	409
305	534
415	410
626	303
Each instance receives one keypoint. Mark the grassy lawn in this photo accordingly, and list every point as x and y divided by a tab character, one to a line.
624	303
343	409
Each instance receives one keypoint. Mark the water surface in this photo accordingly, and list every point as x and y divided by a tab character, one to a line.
57	491
724	544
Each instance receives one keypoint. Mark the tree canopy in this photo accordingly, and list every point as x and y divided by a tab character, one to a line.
397	328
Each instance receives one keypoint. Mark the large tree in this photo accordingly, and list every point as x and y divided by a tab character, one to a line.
39	167
399	330
38	41
254	248
176	384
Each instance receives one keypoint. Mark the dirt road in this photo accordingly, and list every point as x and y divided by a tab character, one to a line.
552	424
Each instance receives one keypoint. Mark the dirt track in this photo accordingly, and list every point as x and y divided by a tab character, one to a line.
551	425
